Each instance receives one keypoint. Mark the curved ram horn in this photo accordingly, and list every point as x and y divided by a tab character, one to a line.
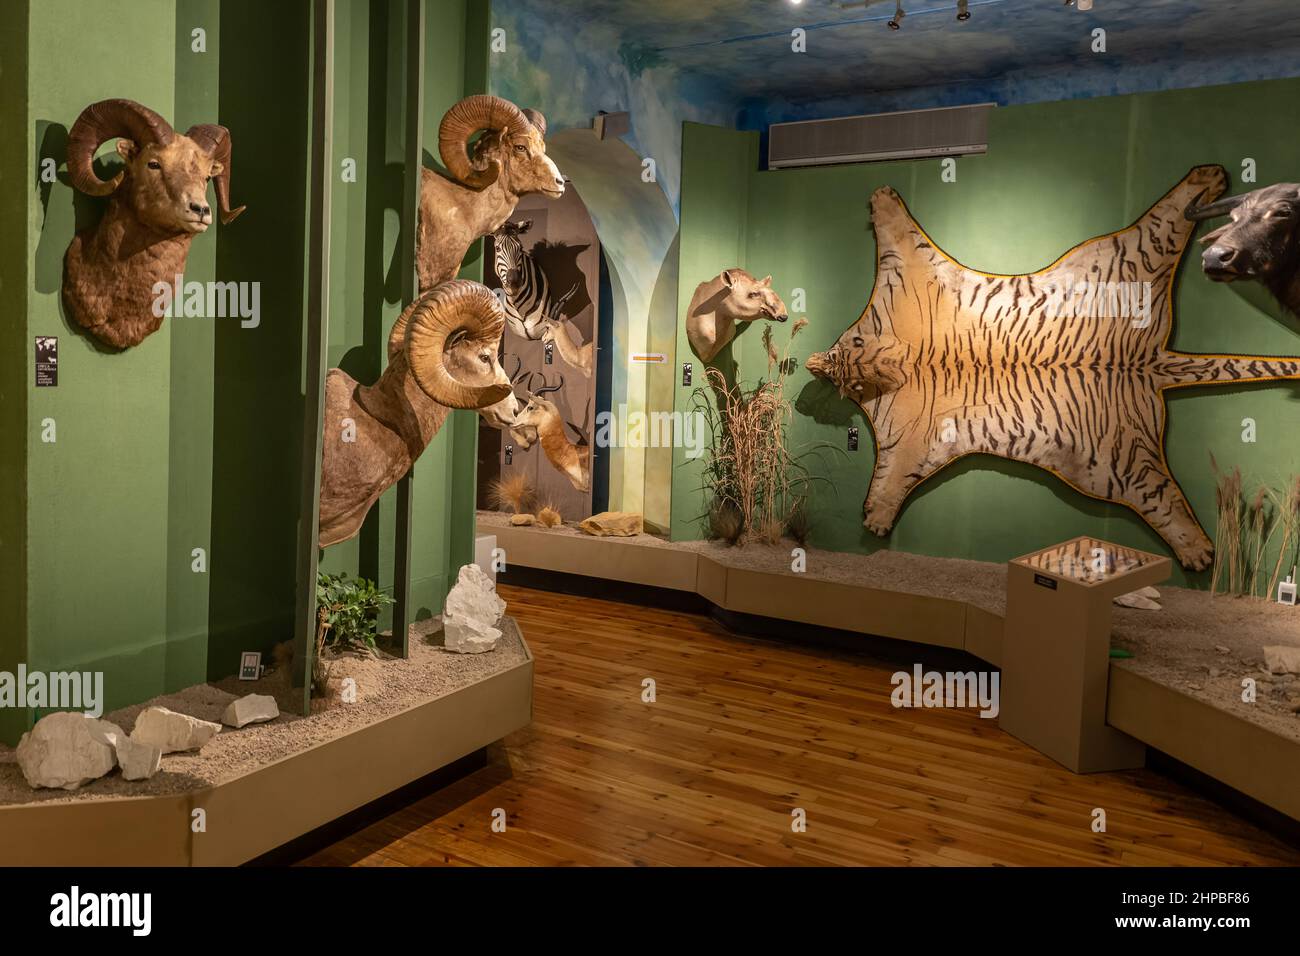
105	120
1209	211
472	115
537	119
216	140
454	307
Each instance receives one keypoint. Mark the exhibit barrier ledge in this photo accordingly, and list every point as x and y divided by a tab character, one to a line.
253	814
1240	754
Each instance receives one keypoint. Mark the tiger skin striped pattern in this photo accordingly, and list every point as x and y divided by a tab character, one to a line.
946	361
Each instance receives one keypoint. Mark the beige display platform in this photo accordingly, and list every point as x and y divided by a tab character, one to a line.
804	599
265	809
1056	650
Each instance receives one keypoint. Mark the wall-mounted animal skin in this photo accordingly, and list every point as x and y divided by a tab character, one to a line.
539	420
946	362
1260	243
157	204
731	296
373	434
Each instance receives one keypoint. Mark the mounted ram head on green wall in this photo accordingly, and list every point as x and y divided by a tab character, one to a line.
157	204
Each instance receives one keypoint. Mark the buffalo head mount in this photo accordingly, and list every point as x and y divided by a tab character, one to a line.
157	204
1260	242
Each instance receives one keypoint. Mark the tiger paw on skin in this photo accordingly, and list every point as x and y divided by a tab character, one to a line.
879	523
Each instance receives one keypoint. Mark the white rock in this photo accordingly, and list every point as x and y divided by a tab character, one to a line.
250	709
138	760
66	750
1282	659
471	612
1138	600
171	732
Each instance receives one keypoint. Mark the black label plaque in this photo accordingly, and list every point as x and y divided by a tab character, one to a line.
687	369
1043	581
47	361
853	438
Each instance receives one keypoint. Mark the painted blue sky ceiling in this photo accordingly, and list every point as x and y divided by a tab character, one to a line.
742	47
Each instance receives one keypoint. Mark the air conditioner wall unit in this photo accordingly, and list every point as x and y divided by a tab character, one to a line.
914	134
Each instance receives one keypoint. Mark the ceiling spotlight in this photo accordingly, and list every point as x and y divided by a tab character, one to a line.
897	22
963	9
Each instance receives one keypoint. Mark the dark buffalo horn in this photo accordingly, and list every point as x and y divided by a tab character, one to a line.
1221	208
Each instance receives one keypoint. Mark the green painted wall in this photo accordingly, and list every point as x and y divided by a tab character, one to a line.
717	166
258	388
365	295
1055	174
97	518
17	179
188	440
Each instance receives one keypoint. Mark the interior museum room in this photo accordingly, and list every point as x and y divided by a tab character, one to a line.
819	433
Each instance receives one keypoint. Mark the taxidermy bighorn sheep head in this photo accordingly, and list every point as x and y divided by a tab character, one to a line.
157	204
1262	242
731	296
374	433
487	177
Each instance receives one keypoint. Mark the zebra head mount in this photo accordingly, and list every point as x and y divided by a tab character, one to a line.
508	259
1261	242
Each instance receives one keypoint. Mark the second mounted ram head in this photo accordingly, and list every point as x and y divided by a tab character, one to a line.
486	177
373	434
157	204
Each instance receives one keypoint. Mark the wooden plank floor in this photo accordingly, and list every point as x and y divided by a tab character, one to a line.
742	732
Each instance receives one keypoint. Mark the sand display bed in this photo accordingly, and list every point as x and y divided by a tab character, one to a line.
1206	646
385	686
980	583
1197	644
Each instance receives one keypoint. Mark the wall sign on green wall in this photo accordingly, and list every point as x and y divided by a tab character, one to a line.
47	361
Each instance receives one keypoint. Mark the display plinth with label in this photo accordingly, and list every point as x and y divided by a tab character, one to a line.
1056	649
